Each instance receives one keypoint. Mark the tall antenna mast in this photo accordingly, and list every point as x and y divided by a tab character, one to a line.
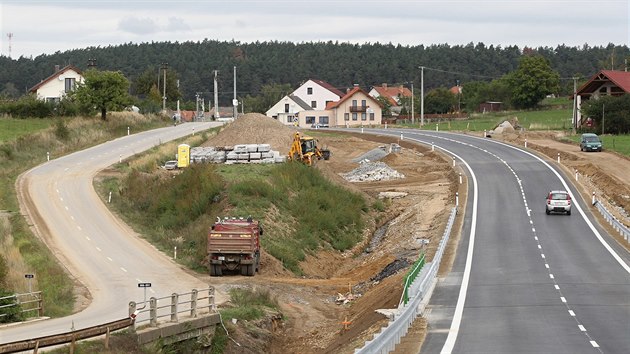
10	35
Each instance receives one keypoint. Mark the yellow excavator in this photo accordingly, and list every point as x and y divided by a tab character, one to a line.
305	150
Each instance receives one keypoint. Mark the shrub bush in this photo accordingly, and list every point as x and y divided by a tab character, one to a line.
11	313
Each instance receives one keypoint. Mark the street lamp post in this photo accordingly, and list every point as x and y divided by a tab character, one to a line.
421	96
164	67
412	109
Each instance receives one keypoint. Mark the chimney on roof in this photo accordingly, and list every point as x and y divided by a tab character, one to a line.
56	68
384	85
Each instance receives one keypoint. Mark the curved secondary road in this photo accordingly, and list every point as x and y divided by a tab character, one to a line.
524	281
102	253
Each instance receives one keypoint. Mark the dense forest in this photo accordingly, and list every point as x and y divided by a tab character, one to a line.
281	63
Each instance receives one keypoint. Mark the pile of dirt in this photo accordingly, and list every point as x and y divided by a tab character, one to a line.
254	128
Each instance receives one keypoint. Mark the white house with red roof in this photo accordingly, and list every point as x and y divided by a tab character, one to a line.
57	85
604	83
317	93
318	104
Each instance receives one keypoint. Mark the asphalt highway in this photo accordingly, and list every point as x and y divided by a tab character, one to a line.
524	281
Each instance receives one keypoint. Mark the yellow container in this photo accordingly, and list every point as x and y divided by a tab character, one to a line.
183	155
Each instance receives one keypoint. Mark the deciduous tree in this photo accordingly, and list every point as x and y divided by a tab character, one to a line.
532	81
102	91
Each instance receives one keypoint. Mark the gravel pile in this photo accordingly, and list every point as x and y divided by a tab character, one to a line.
378	153
372	171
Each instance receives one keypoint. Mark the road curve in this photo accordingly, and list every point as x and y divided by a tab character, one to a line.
523	281
101	252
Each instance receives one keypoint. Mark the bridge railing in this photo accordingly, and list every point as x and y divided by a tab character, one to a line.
31	304
172	306
193	302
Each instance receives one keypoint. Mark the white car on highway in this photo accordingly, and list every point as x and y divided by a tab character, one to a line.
559	202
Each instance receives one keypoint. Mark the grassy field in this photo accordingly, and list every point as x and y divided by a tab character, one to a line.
11	129
557	119
617	143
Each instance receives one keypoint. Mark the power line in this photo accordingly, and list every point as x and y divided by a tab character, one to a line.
461	73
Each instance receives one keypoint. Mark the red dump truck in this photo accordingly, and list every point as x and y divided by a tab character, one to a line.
234	243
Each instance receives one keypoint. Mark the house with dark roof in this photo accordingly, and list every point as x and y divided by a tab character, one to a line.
603	83
57	85
286	110
317	93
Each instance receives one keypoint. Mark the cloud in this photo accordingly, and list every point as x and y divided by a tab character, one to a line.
139	26
177	24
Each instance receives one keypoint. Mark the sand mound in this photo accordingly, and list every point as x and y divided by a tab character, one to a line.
254	128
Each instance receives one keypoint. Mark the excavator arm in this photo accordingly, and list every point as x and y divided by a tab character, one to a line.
295	153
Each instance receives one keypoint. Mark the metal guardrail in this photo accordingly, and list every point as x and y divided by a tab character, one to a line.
613	221
68	337
158	309
28	302
420	292
410	277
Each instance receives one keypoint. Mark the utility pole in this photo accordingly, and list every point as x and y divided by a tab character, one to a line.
603	118
421	96
164	67
575	118
197	105
235	101
10	35
412	109
179	114
91	63
459	98
216	95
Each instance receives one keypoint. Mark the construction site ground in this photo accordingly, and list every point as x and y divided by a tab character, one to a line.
370	276
331	308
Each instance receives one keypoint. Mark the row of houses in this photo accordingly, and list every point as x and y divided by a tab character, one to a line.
317	103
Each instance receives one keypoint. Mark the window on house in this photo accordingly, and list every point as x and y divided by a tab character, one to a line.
313	104
354	103
323	120
363	116
309	91
290	119
363	103
355	116
70	82
286	108
371	116
310	119
346	116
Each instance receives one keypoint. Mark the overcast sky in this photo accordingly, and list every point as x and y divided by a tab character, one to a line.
48	26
